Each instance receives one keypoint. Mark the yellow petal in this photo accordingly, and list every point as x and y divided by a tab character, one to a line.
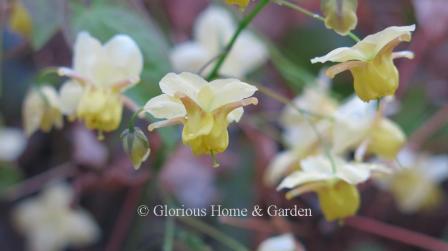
339	200
240	3
20	19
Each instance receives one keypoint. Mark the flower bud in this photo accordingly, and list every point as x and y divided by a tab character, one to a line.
340	15
136	145
41	110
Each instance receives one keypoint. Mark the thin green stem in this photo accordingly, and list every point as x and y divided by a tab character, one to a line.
310	14
304	114
169	234
213	232
134	117
243	24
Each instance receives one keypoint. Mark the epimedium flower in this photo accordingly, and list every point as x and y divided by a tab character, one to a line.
204	108
100	74
340	15
333	180
371	62
49	223
41	110
212	31
415	185
136	145
357	123
298	136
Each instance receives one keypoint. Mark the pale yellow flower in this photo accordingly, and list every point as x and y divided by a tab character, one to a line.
20	19
340	15
49	223
100	73
371	62
204	108
212	31
415	186
336	189
41	110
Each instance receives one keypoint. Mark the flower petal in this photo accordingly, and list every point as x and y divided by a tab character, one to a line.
165	107
70	95
230	90
300	177
214	28
185	82
87	51
190	57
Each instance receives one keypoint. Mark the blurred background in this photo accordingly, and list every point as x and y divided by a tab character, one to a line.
102	179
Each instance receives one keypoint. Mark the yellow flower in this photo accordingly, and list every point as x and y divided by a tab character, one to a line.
337	192
41	110
241	3
20	19
415	186
136	145
204	108
356	122
100	73
298	136
371	62
49	222
340	15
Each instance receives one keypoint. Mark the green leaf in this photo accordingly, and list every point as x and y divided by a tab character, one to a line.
104	20
47	17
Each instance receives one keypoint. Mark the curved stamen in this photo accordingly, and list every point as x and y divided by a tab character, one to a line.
310	187
403	54
67	72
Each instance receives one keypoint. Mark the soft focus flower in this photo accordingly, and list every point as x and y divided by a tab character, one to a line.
100	73
340	15
136	145
50	224
357	122
299	137
20	19
41	110
12	143
371	62
204	108
285	242
334	182
240	3
212	31
416	184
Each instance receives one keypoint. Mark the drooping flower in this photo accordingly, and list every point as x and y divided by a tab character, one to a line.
12	143
334	180
357	122
204	108
41	110
136	145
371	62
285	242
340	15
20	19
49	223
212	31
100	73
240	3
415	185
